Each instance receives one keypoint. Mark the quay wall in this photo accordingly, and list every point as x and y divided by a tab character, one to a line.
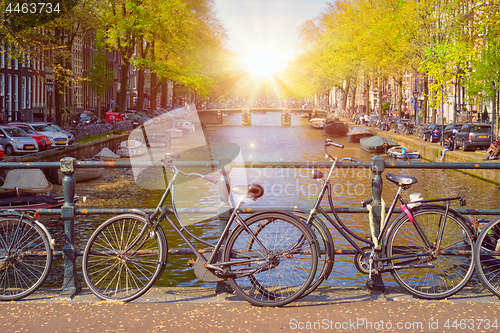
430	152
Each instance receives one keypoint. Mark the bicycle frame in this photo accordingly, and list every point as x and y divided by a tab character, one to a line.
337	223
161	212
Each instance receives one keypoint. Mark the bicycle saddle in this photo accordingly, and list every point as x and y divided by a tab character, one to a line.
252	191
400	180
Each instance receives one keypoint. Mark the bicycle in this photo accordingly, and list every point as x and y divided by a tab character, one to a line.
268	259
25	254
428	248
488	257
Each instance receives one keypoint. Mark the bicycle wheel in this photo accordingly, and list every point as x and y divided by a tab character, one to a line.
277	266
487	262
120	261
25	257
432	274
326	250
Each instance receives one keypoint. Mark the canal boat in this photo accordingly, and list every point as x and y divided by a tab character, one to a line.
131	148
402	152
317	123
28	189
357	133
377	144
82	174
335	127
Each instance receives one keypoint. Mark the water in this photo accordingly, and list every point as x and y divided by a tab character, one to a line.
266	140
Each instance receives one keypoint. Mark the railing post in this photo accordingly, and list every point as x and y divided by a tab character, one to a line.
246	117
224	209
70	285
377	169
286	119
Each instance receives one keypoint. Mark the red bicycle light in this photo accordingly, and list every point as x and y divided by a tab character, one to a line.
37	215
463	202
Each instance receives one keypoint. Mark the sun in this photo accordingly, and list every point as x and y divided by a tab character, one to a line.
263	63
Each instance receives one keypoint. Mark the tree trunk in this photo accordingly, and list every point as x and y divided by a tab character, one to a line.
425	105
164	95
140	91
400	97
345	95
379	97
122	98
353	99
367	96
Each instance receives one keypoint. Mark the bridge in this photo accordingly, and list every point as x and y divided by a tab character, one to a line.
216	116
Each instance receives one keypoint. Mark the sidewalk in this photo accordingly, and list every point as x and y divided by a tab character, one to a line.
332	309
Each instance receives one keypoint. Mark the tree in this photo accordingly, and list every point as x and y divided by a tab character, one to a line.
100	77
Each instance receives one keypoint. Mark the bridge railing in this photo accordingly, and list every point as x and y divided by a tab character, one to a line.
69	211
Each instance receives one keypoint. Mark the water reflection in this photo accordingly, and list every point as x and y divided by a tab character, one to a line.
266	140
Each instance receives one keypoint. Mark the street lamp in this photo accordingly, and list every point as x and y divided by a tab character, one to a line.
415	100
442	115
494	113
50	88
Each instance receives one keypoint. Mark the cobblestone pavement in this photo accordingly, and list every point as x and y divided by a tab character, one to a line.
332	309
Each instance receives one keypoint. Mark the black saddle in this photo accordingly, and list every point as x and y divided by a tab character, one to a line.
400	180
252	191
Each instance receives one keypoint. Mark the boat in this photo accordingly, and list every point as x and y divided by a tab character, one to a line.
402	152
335	127
28	189
131	148
317	123
357	133
377	144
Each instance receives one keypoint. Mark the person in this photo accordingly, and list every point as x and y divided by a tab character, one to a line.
449	145
2	116
492	152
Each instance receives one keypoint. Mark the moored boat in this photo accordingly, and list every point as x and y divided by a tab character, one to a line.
357	133
28	189
130	148
402	152
377	144
335	127
317	123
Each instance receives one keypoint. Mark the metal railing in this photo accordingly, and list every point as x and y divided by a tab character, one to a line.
68	211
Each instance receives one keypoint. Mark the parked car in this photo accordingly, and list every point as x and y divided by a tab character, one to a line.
84	118
71	137
16	141
57	139
433	133
42	141
473	136
1	152
450	131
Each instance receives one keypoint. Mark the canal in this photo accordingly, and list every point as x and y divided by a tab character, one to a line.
267	141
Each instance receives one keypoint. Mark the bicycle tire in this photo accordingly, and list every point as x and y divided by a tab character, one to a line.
271	284
487	263
26	266
326	250
114	275
446	274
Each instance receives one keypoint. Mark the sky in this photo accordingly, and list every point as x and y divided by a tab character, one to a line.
257	25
